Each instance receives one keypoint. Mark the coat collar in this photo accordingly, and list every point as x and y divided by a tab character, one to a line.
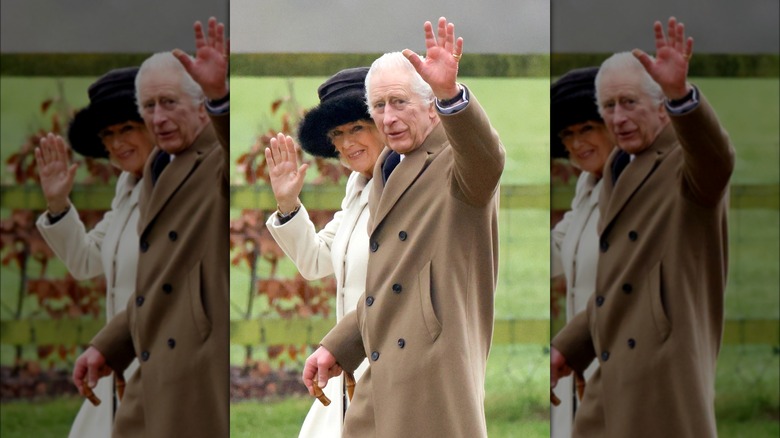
614	197
384	196
154	198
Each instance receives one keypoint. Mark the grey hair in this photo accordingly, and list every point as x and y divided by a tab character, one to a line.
624	63
165	61
395	61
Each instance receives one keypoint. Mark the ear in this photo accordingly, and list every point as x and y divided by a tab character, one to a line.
662	114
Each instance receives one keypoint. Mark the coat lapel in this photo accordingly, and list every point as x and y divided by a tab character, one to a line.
614	197
384	197
154	197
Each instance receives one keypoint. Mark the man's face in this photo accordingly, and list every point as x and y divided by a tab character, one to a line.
403	119
631	115
170	114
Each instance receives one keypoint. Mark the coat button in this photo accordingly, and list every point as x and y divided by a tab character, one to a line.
375	356
603	245
374	246
139	301
402	235
401	343
632	235
173	236
599	300
605	356
171	343
369	301
631	343
627	288
397	288
144	246
167	288
145	356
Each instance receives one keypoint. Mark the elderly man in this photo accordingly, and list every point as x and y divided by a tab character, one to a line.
656	318
176	323
426	319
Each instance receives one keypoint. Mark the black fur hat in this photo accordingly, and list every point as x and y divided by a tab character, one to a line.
111	101
572	100
342	100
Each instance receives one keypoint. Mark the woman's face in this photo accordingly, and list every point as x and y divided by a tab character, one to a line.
358	144
128	144
588	144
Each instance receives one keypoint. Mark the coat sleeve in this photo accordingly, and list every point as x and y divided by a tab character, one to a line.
575	343
309	250
221	123
115	342
479	154
77	248
345	342
708	154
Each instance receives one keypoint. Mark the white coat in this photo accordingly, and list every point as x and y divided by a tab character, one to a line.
574	247
340	248
111	249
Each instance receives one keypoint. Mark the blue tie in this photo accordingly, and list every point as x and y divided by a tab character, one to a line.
387	168
618	164
158	165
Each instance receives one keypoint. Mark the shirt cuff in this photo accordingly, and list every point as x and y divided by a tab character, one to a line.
218	107
458	104
686	105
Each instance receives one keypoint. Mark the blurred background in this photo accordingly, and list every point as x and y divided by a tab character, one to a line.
51	52
735	64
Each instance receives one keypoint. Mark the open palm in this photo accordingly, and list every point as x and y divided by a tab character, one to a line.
55	171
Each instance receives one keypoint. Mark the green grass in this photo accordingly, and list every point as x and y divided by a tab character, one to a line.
39	419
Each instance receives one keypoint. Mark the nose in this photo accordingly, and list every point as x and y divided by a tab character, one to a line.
619	115
159	117
578	142
389	115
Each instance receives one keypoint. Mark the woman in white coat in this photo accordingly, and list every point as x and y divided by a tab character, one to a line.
340	127
109	127
577	127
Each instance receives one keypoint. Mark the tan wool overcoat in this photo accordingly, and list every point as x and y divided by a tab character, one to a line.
426	319
177	321
655	321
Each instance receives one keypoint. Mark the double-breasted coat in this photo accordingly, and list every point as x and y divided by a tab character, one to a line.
110	249
574	251
340	248
656	319
177	323
426	320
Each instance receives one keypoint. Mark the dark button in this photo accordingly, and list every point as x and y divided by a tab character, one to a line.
402	235
631	343
139	301
375	356
172	235
369	301
374	246
605	356
401	343
632	235
171	342
145	356
167	288
397	288
599	300
144	246
603	245
627	288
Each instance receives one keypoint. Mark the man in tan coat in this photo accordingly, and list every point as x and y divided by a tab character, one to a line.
656	318
176	323
426	319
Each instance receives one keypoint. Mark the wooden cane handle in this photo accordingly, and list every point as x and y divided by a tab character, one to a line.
319	394
89	394
554	399
119	381
580	379
350	384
